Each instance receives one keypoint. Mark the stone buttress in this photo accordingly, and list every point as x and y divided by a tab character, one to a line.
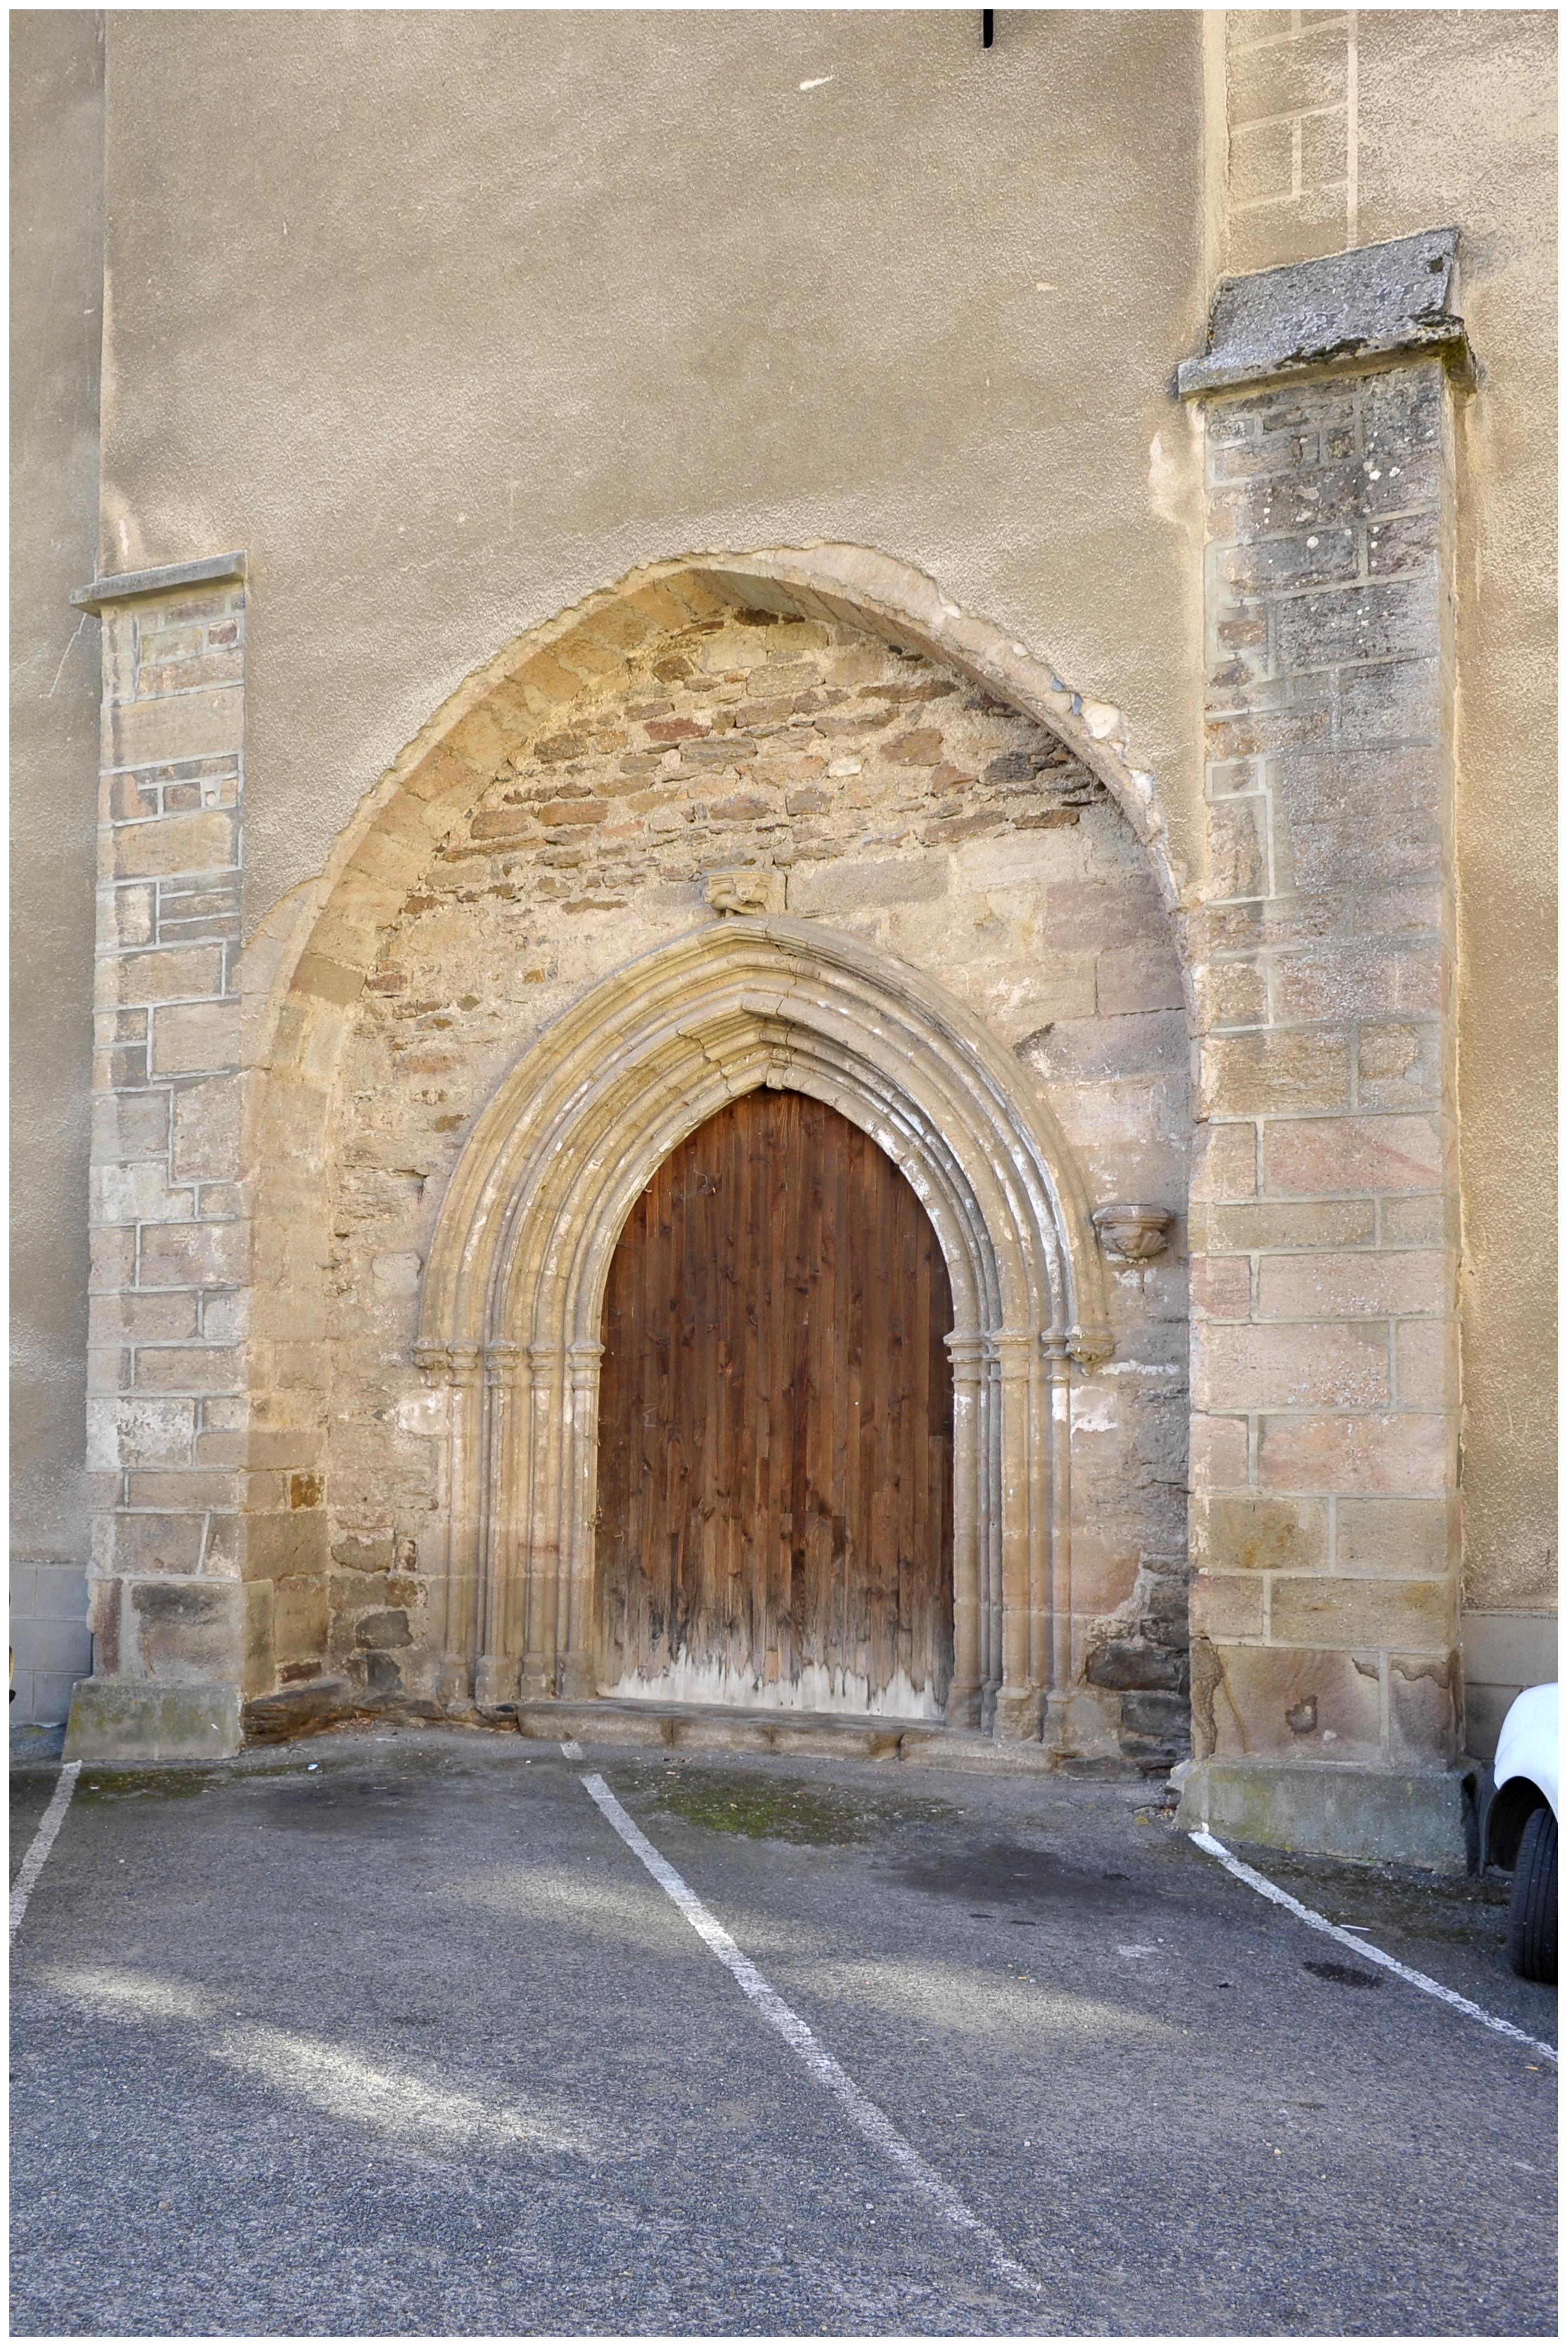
170	1238
1325	1523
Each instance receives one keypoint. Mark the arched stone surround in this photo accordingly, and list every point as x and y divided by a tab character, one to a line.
451	986
514	1285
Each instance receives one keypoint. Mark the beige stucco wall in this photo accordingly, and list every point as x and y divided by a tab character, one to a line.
451	318
57	131
1355	128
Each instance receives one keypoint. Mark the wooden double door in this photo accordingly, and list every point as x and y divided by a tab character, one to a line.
775	1426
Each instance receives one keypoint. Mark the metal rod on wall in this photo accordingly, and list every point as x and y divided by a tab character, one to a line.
988	26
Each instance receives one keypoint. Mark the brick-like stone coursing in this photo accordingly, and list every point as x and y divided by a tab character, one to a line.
167	1407
1292	128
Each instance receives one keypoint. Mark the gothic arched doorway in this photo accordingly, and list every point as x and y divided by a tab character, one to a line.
776	1425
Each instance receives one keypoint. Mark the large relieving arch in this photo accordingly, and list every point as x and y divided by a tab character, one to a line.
513	1294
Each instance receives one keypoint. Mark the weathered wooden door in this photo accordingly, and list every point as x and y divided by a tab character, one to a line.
776	1425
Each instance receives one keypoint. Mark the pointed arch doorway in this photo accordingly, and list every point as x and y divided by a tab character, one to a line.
512	1297
775	1426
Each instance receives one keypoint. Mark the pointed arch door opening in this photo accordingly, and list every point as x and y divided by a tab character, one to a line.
512	1297
775	1426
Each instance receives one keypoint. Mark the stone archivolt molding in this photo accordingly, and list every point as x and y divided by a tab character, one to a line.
514	1285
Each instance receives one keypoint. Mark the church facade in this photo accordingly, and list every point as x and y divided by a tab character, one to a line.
822	888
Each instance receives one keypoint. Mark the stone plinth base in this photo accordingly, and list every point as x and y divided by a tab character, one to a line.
124	1719
1377	1816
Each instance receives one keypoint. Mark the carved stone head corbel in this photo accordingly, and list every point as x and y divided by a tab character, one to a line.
750	891
1133	1234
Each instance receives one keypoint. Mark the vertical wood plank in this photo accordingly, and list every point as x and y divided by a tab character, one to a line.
776	1421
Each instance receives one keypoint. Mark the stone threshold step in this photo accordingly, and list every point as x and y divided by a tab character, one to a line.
704	1728
692	1728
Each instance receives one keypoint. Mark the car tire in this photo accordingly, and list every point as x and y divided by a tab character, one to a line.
1533	1909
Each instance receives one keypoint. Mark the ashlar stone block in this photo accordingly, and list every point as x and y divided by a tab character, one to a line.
1424	1707
1283	1070
187	1631
1411	1451
1252	1531
1301	1367
1226	1606
185	843
1406	1536
1363	1284
1315	1156
1275	1703
126	1720
1315	1610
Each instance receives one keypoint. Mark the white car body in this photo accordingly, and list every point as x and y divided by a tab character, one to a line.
1524	1773
1522	1830
1527	1747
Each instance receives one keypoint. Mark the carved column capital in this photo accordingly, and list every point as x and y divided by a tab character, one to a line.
449	1364
1012	1349
1089	1344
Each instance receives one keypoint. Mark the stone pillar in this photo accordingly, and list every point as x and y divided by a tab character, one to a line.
167	1409
1324	1201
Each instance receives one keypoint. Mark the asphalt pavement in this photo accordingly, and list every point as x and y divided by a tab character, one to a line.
392	2032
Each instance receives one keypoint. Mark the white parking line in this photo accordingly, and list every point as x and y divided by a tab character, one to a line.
868	2116
43	1841
1345	1935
